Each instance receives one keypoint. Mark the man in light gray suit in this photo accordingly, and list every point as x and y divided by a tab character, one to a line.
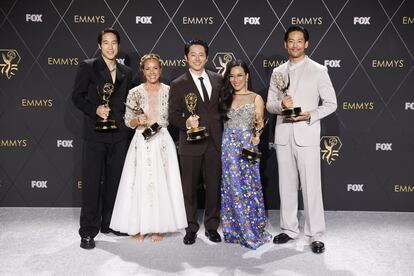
300	82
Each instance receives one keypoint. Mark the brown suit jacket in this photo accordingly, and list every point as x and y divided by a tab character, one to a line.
209	113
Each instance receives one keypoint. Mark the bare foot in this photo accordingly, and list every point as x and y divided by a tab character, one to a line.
138	237
156	237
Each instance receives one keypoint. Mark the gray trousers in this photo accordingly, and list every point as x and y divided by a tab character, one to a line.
300	165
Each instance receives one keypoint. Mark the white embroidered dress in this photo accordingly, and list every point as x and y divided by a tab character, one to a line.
150	198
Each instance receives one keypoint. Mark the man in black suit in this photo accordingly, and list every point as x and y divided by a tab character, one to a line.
103	151
198	158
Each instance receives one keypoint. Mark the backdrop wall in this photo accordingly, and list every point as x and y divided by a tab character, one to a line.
367	146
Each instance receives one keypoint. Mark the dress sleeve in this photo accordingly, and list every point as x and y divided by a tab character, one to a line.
163	116
131	102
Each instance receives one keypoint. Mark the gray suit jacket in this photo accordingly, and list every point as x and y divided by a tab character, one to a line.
314	86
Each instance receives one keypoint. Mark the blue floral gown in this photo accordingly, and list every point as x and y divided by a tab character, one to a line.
242	207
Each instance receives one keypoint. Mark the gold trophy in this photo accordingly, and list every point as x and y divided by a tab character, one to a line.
105	94
195	133
283	85
250	153
149	131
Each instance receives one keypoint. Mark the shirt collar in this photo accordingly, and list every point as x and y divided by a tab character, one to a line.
195	77
294	66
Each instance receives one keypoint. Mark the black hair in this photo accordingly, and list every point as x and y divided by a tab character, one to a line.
297	28
108	30
227	90
195	42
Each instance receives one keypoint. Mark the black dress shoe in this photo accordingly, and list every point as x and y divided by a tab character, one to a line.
281	238
213	235
87	243
190	237
109	230
317	247
117	233
105	230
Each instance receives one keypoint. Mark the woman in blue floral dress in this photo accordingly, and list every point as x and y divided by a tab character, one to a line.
243	214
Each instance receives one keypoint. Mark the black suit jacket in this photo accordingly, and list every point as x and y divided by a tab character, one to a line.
209	113
91	76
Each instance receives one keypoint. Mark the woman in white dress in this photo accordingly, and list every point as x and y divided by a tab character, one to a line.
149	198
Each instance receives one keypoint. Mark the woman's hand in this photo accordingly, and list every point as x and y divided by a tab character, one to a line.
255	140
142	119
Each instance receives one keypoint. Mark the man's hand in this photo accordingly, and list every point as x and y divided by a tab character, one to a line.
304	116
103	112
287	102
192	121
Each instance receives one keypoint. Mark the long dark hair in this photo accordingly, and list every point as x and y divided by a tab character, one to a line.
226	93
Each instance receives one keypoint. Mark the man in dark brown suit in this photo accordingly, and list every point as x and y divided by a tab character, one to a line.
198	158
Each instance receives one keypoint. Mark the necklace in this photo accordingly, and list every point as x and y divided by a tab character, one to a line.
113	69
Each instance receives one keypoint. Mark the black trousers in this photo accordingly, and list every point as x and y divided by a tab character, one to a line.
209	166
102	165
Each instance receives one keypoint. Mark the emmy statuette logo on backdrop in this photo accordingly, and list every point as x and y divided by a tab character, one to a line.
9	63
221	60
330	148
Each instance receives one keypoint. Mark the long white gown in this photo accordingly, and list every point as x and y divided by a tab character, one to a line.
150	198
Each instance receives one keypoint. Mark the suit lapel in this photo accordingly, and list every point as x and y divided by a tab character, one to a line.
119	74
103	70
215	89
106	75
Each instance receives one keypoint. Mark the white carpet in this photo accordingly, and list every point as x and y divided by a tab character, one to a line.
44	241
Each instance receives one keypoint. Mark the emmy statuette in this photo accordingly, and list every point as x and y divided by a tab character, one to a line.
104	94
149	131
250	153
283	85
196	133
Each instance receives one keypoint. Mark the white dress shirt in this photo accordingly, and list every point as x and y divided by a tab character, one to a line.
206	81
